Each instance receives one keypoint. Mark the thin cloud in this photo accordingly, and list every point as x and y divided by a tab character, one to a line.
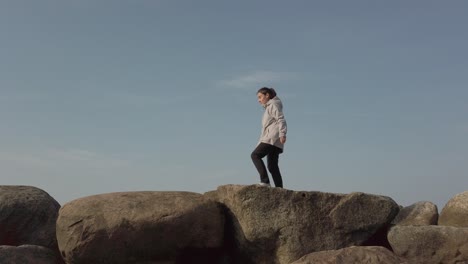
348	114
256	79
57	158
136	100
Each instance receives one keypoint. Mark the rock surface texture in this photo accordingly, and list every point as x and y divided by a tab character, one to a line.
430	244
139	227
27	216
235	224
420	213
455	212
276	226
28	254
350	255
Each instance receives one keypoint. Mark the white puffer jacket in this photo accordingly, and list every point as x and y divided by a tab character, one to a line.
273	123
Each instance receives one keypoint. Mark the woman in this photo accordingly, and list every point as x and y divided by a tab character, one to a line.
272	138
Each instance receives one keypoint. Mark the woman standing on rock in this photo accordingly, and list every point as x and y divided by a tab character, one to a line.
272	139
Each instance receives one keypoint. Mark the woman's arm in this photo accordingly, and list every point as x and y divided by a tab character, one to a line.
277	114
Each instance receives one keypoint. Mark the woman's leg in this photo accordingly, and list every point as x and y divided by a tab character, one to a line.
273	167
261	151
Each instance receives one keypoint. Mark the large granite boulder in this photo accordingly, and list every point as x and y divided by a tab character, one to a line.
430	244
275	225
420	213
349	255
139	227
455	212
27	216
29	254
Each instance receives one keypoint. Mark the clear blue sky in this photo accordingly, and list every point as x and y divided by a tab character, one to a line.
105	96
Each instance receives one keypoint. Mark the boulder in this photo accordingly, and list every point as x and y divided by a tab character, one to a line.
420	213
27	216
29	254
275	225
139	227
430	244
368	255
455	212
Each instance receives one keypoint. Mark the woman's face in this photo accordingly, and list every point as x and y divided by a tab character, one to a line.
263	98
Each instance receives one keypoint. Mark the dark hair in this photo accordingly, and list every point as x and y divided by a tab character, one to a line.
269	91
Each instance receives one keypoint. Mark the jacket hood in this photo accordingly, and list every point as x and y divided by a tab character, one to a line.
274	100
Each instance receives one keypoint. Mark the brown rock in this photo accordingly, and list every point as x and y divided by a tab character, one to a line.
455	212
420	213
430	244
29	254
350	255
274	225
139	227
27	216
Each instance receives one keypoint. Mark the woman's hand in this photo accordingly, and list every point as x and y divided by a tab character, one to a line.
283	140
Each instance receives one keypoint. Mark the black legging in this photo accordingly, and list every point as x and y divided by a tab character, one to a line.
273	152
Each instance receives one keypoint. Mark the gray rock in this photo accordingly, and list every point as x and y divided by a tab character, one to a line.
274	225
430	244
139	227
29	254
455	212
27	216
368	255
420	213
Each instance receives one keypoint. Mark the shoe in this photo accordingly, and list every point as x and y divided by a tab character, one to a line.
264	184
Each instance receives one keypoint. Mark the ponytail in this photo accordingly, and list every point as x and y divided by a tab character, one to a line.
269	91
